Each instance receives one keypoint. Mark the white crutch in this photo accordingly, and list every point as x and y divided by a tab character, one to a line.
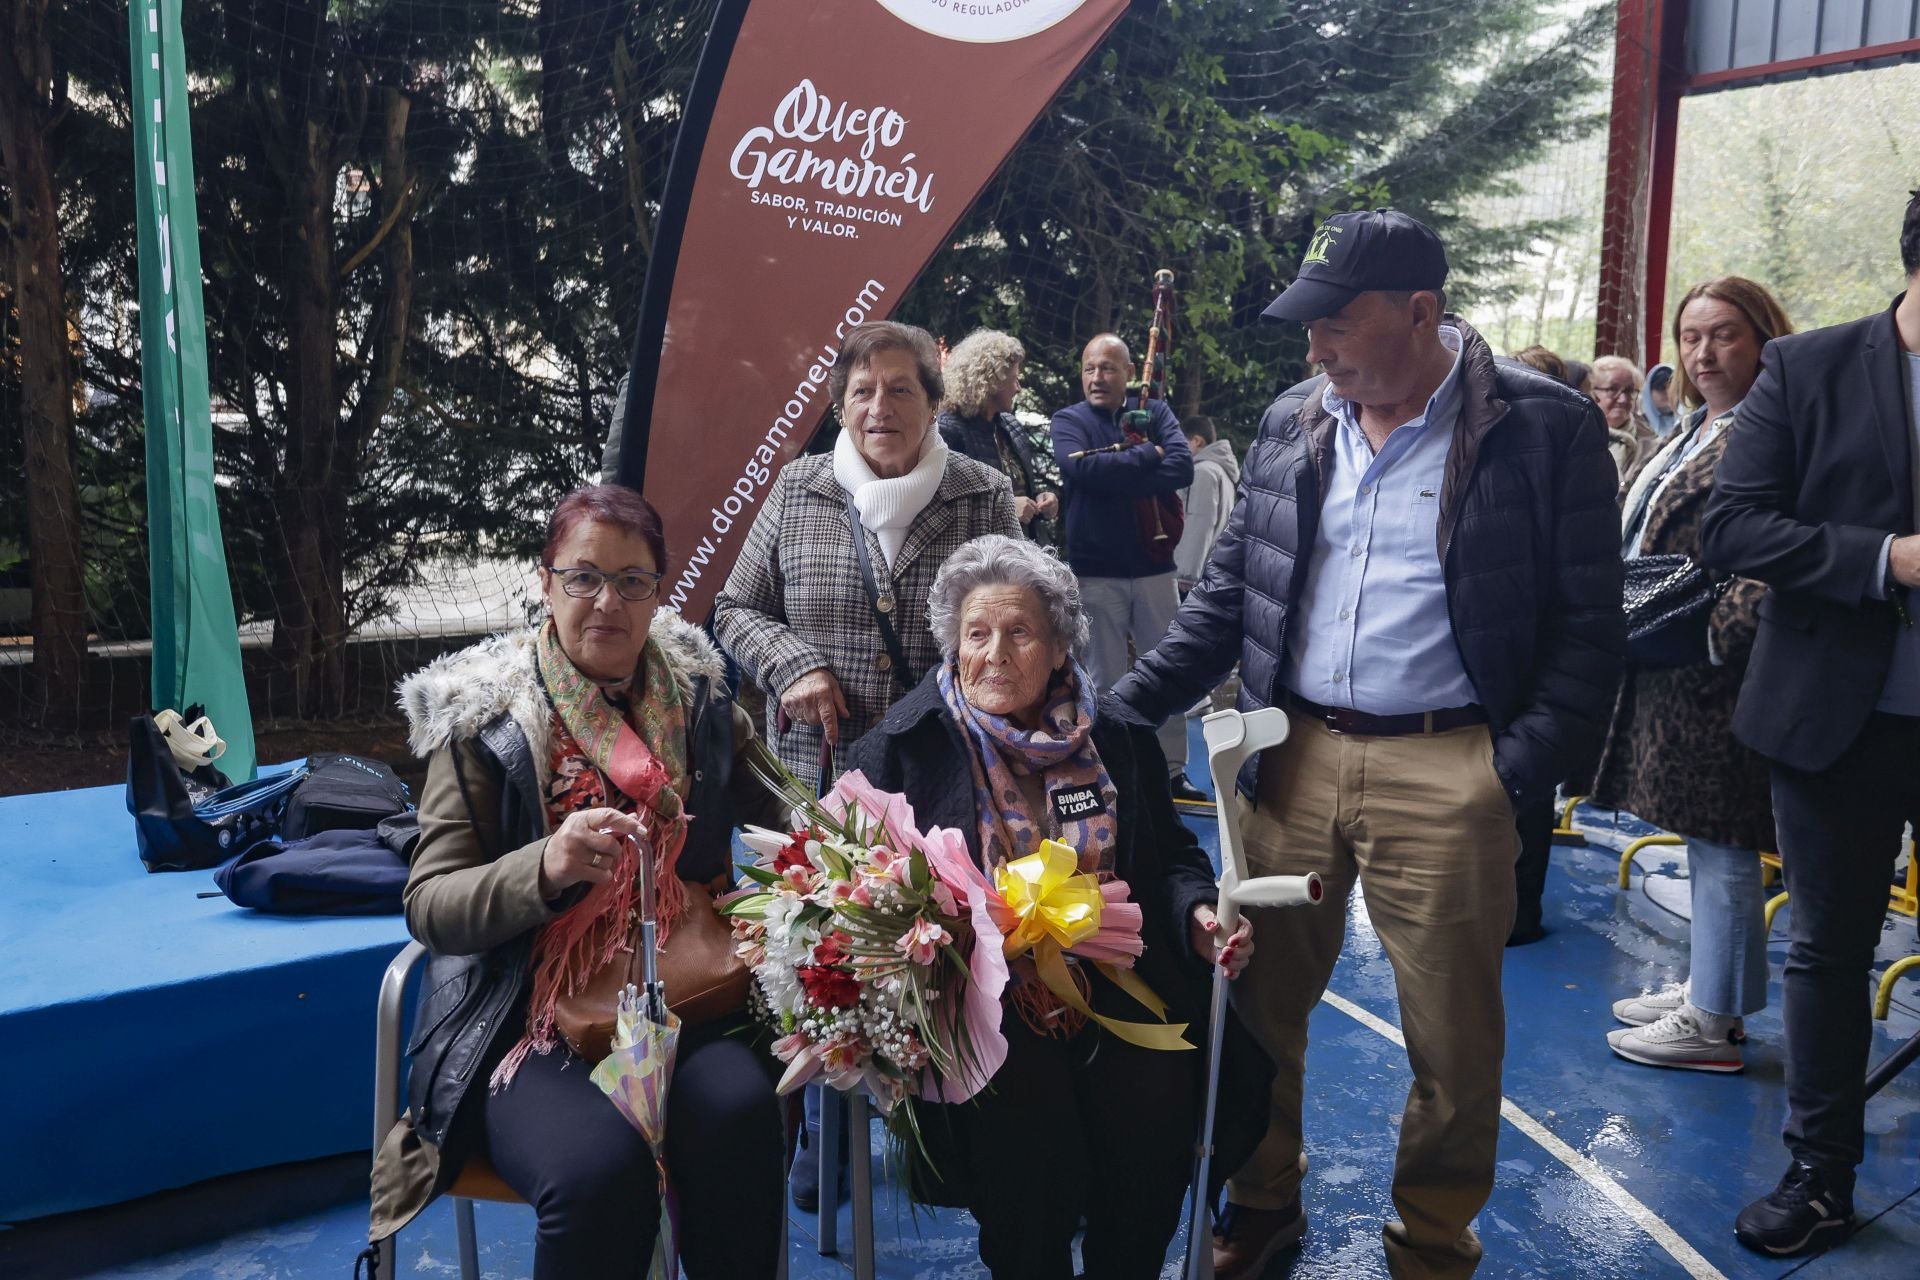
1232	740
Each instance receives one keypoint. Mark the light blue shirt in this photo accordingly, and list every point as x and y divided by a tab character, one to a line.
1372	630
1633	541
1900	695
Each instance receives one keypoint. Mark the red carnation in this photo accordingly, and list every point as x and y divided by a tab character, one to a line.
794	855
832	949
829	988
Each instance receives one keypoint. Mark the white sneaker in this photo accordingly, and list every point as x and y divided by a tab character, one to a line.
1650	1006
1687	1037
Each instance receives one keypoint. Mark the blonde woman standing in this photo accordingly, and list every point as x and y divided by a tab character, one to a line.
976	420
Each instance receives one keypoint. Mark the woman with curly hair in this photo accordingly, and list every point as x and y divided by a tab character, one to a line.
976	420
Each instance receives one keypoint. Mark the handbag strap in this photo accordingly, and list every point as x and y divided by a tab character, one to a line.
888	637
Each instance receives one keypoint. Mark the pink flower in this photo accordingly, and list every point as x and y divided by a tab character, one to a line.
943	899
801	878
922	943
884	865
840	891
862	895
752	954
803	1062
842	1059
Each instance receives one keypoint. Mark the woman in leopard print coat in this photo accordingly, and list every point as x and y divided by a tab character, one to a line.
1669	755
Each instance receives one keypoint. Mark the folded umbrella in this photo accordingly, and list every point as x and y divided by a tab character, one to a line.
635	1076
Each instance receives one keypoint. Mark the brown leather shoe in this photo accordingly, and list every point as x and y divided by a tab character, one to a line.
1248	1239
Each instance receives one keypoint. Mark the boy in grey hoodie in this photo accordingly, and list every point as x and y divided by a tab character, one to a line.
1208	500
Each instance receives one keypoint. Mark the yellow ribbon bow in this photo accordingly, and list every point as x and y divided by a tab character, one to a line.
1056	906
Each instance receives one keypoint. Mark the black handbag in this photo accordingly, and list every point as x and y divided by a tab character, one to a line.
1669	600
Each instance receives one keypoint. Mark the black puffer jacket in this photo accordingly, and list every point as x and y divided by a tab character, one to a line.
1529	545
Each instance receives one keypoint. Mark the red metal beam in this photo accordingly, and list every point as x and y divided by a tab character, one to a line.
1788	66
1649	79
1629	157
1649	75
1668	87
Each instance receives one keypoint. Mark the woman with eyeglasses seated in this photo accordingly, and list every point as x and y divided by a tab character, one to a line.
557	759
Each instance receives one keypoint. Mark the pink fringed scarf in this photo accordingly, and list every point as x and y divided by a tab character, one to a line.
598	759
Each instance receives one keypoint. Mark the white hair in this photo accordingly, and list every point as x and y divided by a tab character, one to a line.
996	560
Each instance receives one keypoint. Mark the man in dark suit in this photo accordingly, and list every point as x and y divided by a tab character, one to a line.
1816	497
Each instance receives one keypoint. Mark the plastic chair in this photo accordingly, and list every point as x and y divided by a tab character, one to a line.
477	1180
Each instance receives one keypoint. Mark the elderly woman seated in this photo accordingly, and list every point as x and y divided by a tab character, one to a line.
1006	742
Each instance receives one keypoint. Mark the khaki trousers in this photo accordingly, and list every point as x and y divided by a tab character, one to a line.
1424	825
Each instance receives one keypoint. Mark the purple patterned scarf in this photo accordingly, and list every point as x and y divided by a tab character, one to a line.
1080	808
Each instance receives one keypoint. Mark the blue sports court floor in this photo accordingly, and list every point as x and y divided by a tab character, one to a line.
1607	1169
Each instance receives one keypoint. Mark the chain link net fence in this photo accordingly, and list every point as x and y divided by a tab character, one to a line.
424	227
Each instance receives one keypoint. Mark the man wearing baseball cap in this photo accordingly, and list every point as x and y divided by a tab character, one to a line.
1424	570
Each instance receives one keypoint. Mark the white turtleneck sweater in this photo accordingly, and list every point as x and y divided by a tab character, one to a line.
888	506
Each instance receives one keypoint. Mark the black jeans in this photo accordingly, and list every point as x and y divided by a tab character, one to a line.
1535	824
1091	1128
555	1139
1839	838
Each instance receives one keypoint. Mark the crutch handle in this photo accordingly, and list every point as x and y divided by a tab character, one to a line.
1278	891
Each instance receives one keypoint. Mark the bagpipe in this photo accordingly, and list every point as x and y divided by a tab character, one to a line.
1160	518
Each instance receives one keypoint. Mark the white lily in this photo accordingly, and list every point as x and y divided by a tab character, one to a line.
764	842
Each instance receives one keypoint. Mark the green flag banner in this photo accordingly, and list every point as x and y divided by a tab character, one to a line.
196	643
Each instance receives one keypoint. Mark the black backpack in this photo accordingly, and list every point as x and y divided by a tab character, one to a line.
343	793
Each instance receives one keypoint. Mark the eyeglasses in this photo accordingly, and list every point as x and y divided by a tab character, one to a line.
633	585
1605	389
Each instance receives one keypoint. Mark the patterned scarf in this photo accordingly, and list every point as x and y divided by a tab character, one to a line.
1080	806
597	759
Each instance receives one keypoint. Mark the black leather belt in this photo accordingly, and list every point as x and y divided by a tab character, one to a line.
1342	720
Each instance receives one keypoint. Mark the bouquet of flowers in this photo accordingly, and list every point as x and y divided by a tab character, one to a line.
874	953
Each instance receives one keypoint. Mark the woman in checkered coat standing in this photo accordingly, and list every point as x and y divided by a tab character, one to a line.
797	613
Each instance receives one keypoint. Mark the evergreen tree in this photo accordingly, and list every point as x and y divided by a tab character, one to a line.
1210	137
425	228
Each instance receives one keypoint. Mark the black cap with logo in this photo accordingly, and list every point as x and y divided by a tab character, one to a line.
1355	253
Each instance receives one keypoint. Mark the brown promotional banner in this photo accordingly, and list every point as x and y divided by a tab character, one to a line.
846	139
